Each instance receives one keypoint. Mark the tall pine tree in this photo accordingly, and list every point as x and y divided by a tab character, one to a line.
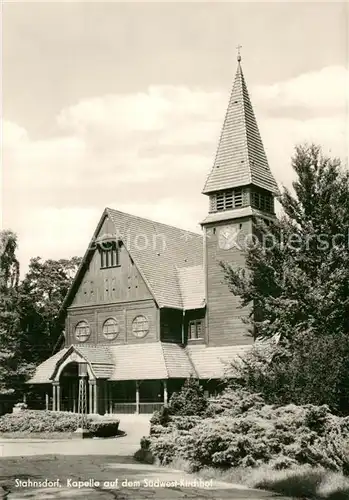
297	282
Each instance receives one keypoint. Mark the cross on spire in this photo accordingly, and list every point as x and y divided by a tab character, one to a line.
239	55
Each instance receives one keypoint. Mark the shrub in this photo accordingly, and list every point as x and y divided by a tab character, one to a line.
234	402
190	400
37	421
160	417
250	434
103	428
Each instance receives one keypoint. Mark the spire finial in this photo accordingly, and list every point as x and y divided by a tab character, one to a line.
239	55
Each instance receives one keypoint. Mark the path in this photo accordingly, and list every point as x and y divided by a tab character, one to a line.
107	467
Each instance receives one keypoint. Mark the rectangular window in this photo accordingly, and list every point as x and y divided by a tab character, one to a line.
109	257
195	330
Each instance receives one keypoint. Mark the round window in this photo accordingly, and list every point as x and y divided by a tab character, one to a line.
82	331
110	329
140	326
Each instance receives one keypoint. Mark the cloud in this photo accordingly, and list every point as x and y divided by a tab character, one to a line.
327	89
149	153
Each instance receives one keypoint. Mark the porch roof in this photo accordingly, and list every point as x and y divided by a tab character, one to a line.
213	362
150	361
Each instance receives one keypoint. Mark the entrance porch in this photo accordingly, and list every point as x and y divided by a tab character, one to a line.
104	396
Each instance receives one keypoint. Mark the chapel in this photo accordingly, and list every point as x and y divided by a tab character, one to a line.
149	306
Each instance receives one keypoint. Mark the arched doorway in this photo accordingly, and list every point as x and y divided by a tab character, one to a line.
69	383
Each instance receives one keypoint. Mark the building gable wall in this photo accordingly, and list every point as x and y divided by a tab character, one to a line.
115	284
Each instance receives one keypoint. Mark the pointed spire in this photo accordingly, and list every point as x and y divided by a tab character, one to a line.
240	158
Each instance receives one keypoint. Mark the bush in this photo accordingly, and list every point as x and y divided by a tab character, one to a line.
103	428
234	402
190	400
38	421
250	434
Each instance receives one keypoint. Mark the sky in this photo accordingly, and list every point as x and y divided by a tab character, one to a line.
121	105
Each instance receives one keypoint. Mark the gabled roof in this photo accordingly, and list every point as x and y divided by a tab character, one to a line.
156	249
191	284
240	158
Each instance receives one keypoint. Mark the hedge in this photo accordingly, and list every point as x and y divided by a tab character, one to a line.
239	430
45	421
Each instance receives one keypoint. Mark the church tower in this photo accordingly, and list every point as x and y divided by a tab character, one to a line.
240	186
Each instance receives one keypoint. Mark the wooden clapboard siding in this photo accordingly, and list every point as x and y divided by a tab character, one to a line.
116	284
224	313
124	313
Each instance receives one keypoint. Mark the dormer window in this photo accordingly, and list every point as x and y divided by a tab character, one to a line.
109	255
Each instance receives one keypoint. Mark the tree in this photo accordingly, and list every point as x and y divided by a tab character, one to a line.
10	331
41	297
297	280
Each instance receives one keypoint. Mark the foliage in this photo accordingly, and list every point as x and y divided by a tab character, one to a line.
314	371
234	402
301	283
190	400
160	417
252	434
297	280
302	482
30	323
33	421
10	375
42	293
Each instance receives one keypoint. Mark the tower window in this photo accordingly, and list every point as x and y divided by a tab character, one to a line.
227	200
109	256
262	201
195	330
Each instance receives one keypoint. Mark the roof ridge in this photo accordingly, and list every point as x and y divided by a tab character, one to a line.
243	97
152	221
190	360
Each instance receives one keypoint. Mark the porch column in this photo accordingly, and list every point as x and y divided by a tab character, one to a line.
165	393
137	396
46	400
58	397
74	397
95	397
54	396
110	397
90	398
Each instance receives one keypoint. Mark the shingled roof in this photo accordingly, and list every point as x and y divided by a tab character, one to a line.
191	284
167	248
158	251
240	158
123	362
